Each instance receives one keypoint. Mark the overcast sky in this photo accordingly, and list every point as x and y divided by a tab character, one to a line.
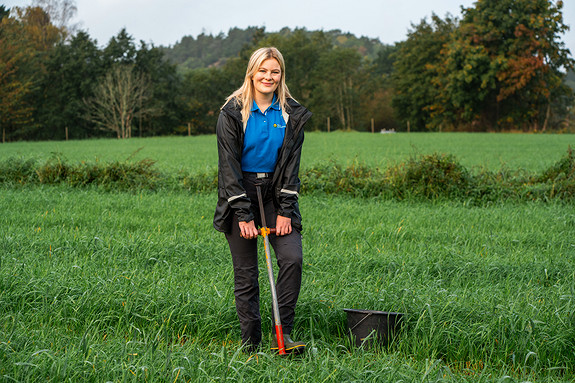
166	22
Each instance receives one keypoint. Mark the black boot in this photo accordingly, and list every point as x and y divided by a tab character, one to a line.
291	346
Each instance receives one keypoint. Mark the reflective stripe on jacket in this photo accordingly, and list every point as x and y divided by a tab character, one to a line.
232	197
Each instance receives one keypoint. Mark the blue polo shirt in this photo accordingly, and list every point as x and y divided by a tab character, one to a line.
263	138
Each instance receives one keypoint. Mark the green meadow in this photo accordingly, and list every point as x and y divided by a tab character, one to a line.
492	151
135	285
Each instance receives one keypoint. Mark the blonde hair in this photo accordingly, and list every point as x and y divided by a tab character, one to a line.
244	95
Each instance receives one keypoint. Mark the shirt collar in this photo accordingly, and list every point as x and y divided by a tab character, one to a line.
275	104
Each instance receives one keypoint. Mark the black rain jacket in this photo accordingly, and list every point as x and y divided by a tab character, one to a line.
232	197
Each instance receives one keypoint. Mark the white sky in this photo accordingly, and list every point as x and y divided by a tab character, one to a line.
166	22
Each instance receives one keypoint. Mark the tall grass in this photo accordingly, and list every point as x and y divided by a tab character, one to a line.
138	287
110	269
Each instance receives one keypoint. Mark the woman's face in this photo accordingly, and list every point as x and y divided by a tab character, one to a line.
267	77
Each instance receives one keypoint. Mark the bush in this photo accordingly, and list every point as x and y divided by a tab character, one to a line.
18	171
430	177
564	169
559	179
54	171
426	177
120	175
356	180
201	182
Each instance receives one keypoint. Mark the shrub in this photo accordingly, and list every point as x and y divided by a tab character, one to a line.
122	175
18	171
55	170
426	177
564	169
429	177
559	179
201	182
130	175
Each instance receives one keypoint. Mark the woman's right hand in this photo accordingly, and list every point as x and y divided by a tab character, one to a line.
248	230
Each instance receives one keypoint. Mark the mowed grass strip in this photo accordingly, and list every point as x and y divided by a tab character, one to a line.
111	286
530	152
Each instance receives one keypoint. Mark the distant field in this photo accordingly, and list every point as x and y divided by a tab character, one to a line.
491	151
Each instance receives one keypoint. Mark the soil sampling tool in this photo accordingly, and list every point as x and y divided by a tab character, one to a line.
265	231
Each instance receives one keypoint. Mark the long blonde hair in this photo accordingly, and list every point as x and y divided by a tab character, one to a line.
244	95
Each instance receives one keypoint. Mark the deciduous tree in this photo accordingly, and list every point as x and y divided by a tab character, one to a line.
15	83
26	36
119	99
61	13
337	75
505	63
417	62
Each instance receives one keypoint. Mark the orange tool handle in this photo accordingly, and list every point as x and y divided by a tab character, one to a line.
269	231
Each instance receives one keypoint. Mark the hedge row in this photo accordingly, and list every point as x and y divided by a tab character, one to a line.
425	177
440	176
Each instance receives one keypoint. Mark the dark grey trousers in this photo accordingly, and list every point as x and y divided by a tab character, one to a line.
288	251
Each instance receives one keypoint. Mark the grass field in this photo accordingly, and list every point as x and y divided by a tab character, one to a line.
137	286
491	151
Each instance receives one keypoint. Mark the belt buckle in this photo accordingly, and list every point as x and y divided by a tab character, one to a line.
261	175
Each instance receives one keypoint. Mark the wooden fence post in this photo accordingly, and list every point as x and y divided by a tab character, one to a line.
328	127
372	126
189	129
66	133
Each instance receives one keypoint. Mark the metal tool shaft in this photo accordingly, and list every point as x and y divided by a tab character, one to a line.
265	232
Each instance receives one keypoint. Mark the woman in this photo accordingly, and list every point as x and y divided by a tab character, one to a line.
260	136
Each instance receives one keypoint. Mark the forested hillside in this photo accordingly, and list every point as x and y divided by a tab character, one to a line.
209	50
498	66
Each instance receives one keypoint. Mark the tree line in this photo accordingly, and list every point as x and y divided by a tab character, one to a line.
501	65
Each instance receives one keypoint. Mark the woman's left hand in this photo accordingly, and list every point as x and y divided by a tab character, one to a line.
283	225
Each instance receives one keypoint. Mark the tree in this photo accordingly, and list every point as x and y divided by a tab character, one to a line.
164	104
120	49
165	90
61	12
73	69
503	65
25	39
417	62
118	99
336	74
38	28
15	83
4	12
